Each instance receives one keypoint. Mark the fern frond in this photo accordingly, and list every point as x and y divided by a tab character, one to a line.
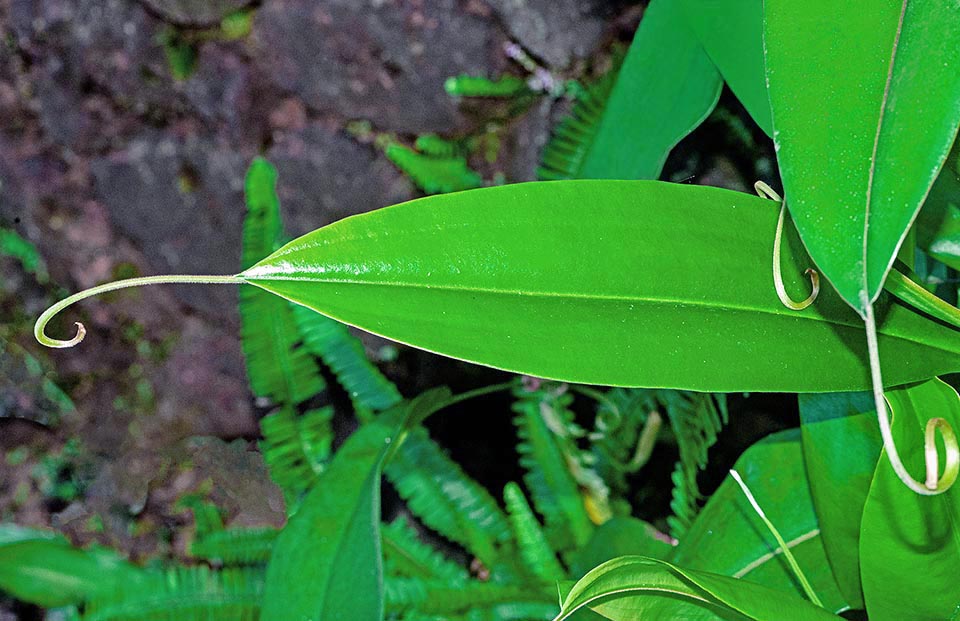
534	549
565	153
445	499
184	594
434	175
332	342
278	368
543	422
435	146
475	86
438	598
296	448
235	546
405	555
695	418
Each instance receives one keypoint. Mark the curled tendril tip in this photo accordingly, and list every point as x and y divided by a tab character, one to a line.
39	329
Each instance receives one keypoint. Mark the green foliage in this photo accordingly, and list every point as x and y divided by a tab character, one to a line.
545	428
474	86
445	499
14	246
278	367
565	155
434	173
296	448
534	549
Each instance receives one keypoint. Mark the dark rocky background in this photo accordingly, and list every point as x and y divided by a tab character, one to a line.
113	167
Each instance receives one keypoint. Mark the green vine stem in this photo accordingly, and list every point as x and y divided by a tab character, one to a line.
934	483
765	191
50	313
787	554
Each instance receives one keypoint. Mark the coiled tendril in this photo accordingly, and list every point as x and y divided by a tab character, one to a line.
50	313
765	191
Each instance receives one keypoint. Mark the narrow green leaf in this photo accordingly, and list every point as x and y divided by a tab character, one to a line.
841	446
909	544
865	107
729	538
534	549
42	568
666	88
473	275
634	587
731	32
326	563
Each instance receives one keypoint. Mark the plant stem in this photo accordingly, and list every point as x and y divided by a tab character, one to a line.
44	319
464	396
934	483
787	554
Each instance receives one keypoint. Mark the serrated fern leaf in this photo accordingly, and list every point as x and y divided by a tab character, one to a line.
445	499
435	146
405	555
434	175
534	549
565	153
184	594
403	595
475	86
332	342
296	448
235	546
543	420
278	368
695	418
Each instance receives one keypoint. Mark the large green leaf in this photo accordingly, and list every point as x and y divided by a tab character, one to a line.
910	544
731	31
581	281
666	88
841	446
865	105
326	563
729	538
42	568
635	587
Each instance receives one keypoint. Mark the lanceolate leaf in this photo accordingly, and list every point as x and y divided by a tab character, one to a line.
326	563
665	89
581	281
731	31
634	588
841	446
729	538
865	105
42	568
909	547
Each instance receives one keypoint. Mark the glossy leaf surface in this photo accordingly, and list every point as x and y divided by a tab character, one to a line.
635	587
909	545
729	538
666	88
581	281
841	446
865	107
731	31
326	563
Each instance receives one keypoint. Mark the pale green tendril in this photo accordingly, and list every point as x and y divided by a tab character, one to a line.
765	191
44	319
935	483
787	554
